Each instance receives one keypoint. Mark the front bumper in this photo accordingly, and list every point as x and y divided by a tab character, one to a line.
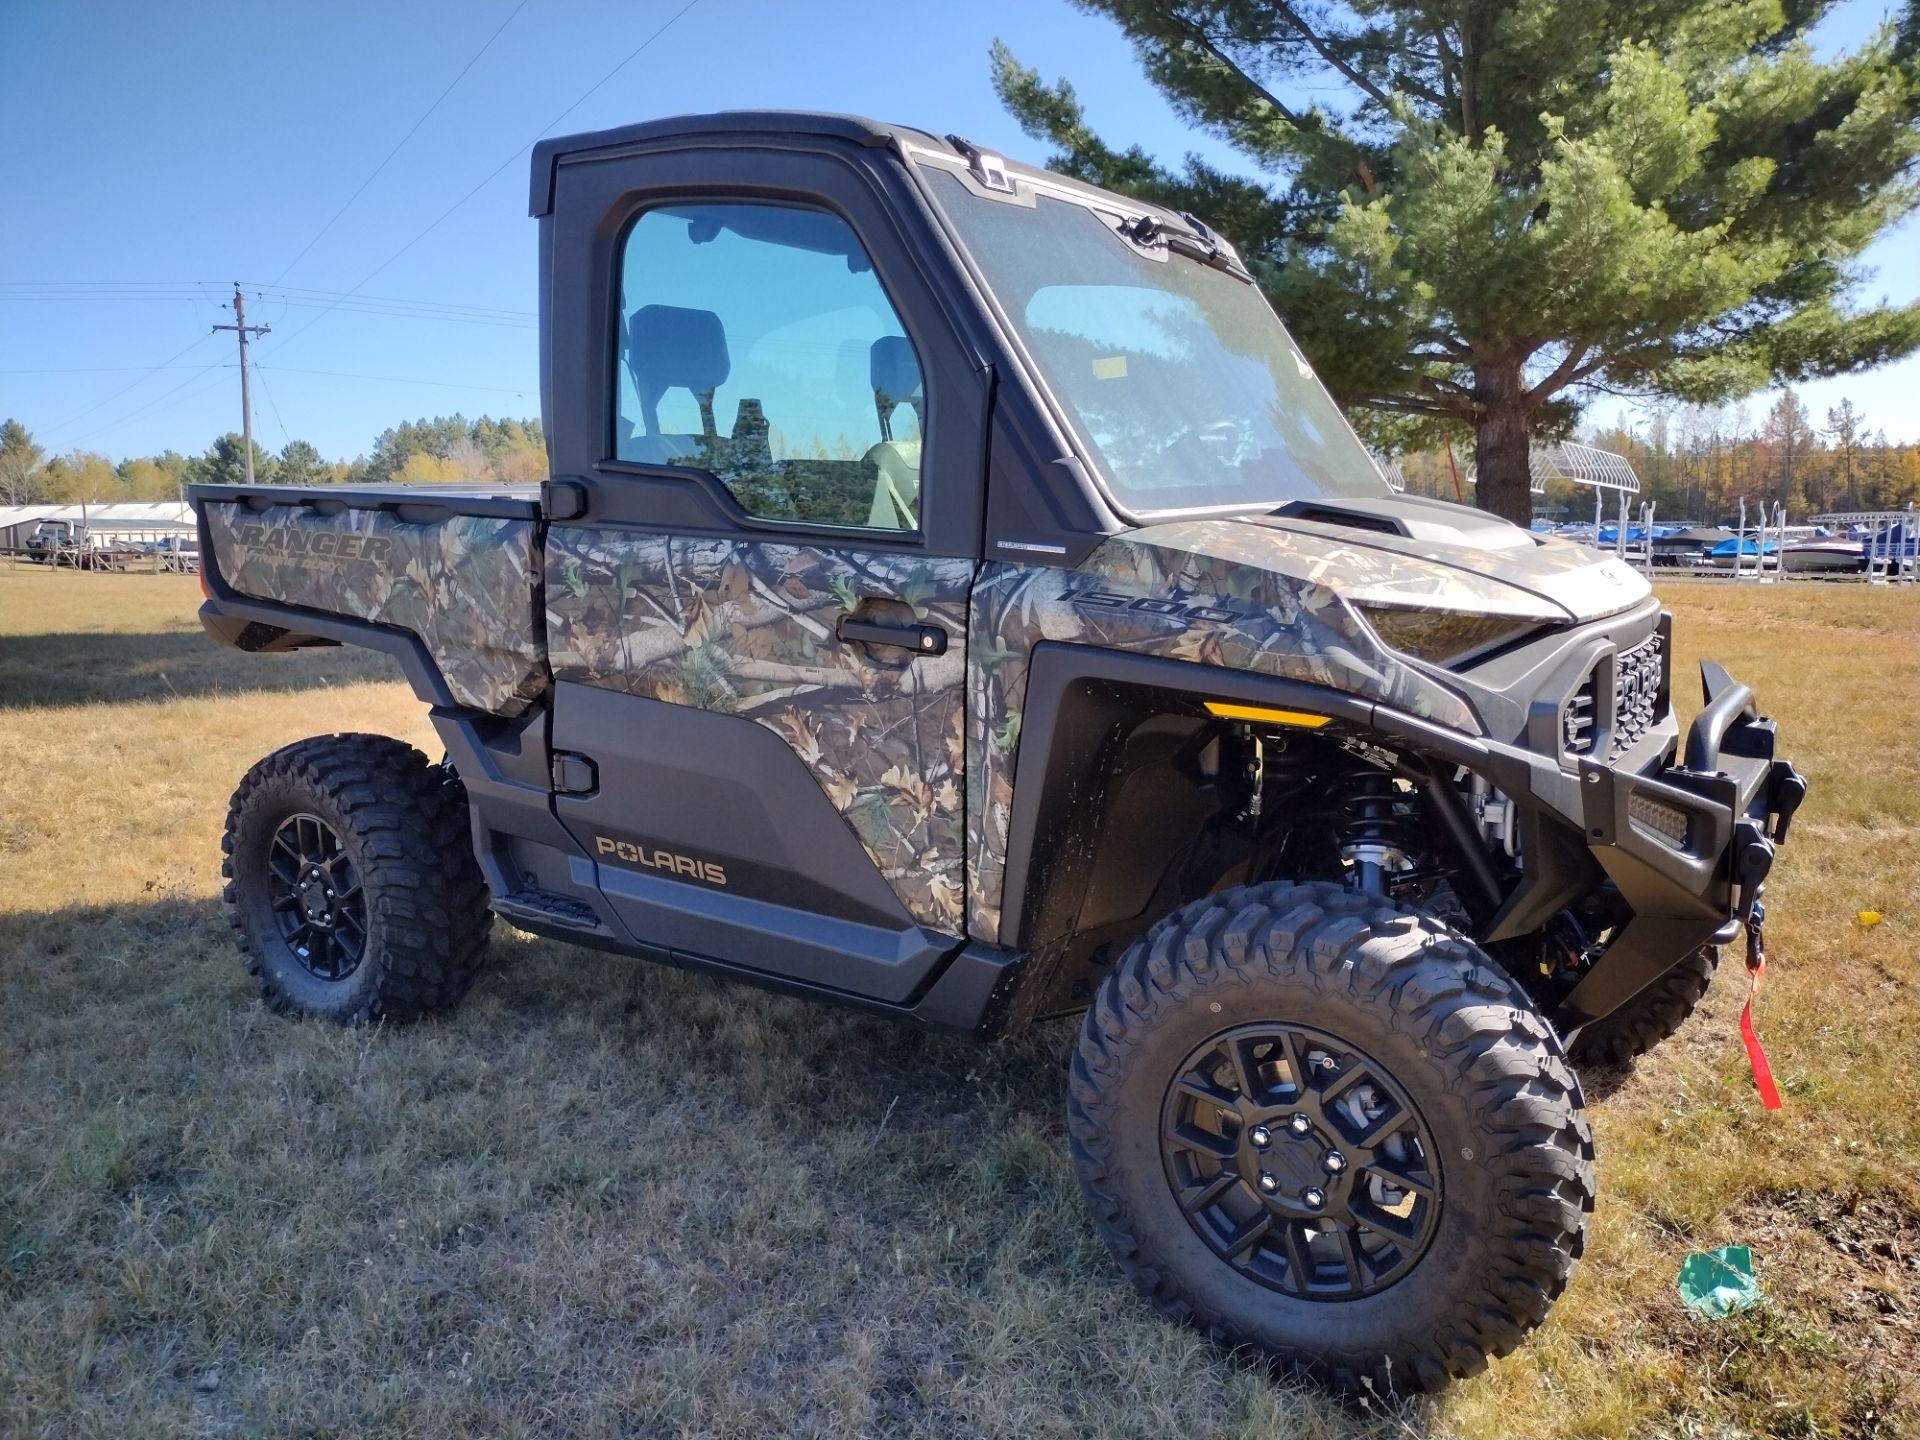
1689	845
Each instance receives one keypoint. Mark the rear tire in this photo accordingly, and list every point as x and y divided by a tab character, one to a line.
1475	1102
352	887
1653	1015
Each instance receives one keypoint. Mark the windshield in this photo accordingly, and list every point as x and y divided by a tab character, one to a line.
1177	378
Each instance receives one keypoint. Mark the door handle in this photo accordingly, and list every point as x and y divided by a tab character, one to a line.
921	639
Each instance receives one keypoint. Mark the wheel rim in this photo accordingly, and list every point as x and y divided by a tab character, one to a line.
316	897
1300	1161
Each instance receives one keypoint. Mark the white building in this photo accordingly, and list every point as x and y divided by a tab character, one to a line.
128	522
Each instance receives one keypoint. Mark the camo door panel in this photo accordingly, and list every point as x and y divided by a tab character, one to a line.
748	628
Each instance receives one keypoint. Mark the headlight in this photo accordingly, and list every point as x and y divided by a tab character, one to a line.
1442	637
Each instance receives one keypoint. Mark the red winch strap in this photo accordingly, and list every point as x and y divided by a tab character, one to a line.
1756	1054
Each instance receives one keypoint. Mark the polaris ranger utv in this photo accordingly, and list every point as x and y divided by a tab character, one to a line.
955	596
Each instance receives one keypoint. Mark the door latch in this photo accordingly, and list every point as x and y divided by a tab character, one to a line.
574	774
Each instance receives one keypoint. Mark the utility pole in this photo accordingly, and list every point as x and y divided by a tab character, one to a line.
246	392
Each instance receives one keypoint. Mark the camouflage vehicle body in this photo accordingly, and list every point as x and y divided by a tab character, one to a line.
962	762
739	628
458	584
503	602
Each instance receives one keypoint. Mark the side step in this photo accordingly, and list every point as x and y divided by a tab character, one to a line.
544	907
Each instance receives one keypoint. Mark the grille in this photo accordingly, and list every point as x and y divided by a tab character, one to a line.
1638	677
1639	695
1576	721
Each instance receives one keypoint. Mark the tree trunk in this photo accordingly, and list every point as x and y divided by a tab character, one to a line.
1502	439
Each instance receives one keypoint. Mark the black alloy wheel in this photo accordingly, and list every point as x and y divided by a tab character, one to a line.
352	884
1334	1132
1300	1161
317	898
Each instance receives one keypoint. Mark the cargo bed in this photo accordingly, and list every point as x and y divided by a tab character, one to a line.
447	577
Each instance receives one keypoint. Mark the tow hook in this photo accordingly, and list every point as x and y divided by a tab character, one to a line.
1749	1036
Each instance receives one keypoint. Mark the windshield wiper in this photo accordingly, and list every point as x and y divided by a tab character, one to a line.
1197	242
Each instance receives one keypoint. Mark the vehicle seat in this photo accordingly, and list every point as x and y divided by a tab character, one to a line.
669	347
895	373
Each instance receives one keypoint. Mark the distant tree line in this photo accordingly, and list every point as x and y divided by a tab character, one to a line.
1695	461
445	448
1698	462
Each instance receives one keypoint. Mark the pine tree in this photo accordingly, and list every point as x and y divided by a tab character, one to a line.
1788	433
1844	424
301	464
1513	198
225	462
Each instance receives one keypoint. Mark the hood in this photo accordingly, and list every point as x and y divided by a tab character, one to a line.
1425	554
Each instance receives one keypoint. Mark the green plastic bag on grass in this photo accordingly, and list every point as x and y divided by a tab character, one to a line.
1717	1283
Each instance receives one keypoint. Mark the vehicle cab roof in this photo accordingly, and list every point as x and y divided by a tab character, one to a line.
746	124
758	125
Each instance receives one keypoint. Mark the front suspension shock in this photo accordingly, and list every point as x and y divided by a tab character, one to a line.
1378	836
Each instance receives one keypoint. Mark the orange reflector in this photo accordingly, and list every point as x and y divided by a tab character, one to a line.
1267	713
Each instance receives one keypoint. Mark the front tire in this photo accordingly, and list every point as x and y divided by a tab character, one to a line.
1334	1131
352	887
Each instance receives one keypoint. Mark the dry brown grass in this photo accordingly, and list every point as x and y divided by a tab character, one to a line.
607	1199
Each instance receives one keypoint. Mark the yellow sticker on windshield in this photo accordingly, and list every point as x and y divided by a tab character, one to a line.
1110	367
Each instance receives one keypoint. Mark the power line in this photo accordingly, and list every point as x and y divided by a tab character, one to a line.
435	224
273	405
401	144
395	379
106	369
392	313
200	287
293	295
354	292
158	399
7	284
153	370
403	300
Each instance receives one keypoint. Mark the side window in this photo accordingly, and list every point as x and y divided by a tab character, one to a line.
755	342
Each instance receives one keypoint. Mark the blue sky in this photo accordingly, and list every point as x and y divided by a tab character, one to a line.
156	153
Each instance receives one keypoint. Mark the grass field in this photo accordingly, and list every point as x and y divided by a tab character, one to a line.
608	1199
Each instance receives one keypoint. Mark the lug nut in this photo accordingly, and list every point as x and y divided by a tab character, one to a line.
1315	1197
1268	1184
1334	1161
1299	1124
1261	1137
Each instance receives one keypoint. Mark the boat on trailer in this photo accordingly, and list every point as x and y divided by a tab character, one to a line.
1689	545
1824	557
1723	555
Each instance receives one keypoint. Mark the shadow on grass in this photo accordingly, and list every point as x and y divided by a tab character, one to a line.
78	669
180	953
601	1193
